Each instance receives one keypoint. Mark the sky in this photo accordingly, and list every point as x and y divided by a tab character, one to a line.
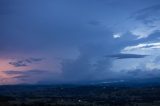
73	41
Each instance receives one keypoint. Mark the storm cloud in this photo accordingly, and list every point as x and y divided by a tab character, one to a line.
12	72
79	40
24	62
127	56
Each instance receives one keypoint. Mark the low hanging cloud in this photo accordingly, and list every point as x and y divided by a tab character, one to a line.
34	76
30	76
13	72
25	62
140	73
90	65
127	56
18	64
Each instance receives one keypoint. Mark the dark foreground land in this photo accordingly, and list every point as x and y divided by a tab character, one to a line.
76	95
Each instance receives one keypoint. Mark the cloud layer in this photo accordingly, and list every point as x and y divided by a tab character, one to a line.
25	62
127	56
73	39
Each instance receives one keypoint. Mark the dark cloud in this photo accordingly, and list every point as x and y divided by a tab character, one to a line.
32	60
11	72
28	76
90	65
95	23
21	76
26	72
143	73
148	14
18	64
127	56
53	28
25	62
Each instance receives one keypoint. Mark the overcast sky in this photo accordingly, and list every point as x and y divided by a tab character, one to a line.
71	41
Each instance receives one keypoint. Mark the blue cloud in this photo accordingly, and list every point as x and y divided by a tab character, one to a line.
25	62
127	56
56	28
26	72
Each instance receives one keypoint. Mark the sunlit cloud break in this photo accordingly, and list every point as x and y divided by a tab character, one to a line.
143	46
